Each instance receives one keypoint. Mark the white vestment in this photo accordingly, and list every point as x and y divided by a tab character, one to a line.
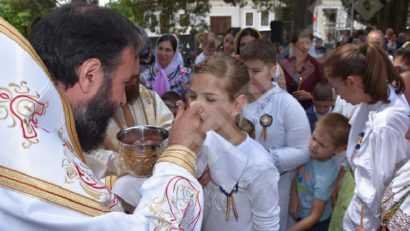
376	149
287	137
249	166
44	182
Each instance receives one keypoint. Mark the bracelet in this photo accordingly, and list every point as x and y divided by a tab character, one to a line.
181	156
179	147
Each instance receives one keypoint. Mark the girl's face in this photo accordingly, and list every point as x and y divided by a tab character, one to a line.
228	44
218	110
350	89
165	53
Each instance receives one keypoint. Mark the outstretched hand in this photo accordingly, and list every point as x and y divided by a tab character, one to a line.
187	128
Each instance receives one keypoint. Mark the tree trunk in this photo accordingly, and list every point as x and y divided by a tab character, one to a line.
302	13
394	15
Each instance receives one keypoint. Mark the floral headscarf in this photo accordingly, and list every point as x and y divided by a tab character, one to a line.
161	83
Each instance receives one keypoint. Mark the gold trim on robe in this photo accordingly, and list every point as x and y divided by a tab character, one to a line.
45	191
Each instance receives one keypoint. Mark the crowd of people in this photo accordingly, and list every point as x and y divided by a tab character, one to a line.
258	140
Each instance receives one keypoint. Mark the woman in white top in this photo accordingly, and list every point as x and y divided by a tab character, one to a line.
364	76
243	192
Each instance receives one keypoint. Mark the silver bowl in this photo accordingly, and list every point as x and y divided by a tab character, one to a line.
140	147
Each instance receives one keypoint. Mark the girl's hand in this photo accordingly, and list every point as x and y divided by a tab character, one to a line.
360	228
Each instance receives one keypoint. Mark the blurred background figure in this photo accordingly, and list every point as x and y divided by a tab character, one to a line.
247	35
168	73
146	57
208	44
170	99
302	71
228	41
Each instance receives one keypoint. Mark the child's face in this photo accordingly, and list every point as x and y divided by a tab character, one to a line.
322	107
207	90
260	76
321	145
228	44
172	106
209	49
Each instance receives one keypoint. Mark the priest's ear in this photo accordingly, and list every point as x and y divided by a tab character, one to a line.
90	75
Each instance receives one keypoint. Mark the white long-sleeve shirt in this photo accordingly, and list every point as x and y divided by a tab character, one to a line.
383	149
249	165
287	137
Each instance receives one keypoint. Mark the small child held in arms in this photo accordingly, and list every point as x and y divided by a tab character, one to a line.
209	43
312	188
322	103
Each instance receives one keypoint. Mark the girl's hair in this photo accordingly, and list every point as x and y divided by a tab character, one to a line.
232	73
247	31
169	37
336	126
322	92
207	39
233	31
371	64
235	79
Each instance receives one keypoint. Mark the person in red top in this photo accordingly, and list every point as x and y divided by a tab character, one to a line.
301	70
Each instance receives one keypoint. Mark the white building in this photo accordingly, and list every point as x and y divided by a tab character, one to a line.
332	17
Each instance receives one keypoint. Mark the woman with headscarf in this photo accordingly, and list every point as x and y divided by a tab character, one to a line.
168	73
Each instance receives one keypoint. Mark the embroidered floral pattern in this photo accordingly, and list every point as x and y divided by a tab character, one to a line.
215	199
180	205
78	172
21	107
399	220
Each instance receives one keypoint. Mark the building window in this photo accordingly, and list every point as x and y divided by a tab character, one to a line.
249	19
265	18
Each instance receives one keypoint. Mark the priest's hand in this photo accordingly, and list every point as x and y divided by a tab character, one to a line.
187	128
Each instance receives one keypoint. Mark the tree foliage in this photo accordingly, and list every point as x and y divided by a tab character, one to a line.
392	14
21	13
163	13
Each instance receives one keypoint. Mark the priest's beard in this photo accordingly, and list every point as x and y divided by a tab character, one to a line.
91	119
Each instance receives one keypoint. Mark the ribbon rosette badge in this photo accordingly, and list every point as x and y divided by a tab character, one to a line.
265	120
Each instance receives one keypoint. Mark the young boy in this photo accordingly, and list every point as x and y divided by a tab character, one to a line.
322	103
281	125
170	99
313	186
